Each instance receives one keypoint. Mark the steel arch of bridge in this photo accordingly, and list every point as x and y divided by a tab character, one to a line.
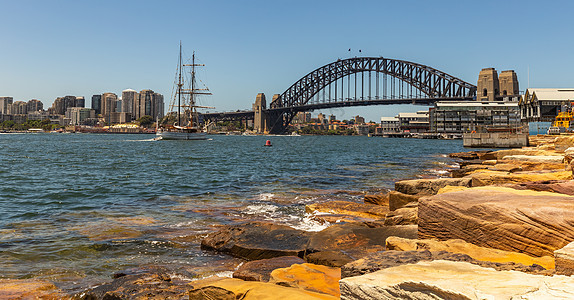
434	84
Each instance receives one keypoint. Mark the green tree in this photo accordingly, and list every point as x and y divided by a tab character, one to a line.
145	121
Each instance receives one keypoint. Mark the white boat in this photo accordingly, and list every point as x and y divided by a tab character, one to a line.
183	123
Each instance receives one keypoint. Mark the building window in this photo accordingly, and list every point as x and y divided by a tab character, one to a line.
484	93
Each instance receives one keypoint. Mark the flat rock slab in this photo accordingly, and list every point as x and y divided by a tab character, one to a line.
311	277
356	240
499	178
354	209
565	260
454	280
535	223
556	186
391	258
428	186
257	240
474	251
260	270
140	286
254	290
536	158
30	289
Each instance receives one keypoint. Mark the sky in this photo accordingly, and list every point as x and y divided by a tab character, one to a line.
50	49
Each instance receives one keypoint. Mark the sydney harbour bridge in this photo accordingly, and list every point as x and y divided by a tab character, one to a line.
358	81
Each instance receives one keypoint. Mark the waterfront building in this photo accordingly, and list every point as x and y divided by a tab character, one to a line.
34	105
461	117
332	118
129	98
6	105
77	115
544	104
361	129
120	117
97	104
37	115
414	122
359	120
390	125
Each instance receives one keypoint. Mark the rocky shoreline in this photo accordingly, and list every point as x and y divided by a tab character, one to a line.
501	226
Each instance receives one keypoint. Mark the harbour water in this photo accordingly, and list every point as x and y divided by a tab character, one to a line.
75	208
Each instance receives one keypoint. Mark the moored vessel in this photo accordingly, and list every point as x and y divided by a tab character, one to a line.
183	123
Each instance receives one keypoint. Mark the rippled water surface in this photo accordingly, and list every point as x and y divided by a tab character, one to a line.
74	208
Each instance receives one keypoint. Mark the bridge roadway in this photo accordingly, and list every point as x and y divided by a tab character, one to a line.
249	114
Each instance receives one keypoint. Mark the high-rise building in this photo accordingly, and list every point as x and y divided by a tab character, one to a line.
97	104
129	97
148	103
80	102
158	105
61	104
19	108
35	105
108	104
6	105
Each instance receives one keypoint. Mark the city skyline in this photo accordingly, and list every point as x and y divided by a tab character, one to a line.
86	49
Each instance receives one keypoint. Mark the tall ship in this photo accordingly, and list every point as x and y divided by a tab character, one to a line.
182	121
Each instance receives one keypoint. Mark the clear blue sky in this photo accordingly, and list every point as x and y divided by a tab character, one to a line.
50	49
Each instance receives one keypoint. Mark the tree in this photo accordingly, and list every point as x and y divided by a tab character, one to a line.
145	121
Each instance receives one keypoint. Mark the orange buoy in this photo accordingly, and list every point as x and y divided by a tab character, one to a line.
268	143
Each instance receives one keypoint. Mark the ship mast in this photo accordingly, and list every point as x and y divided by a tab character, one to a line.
179	86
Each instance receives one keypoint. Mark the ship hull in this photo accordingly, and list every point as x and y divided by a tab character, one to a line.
188	136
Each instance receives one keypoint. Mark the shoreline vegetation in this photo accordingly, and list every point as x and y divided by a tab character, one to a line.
500	226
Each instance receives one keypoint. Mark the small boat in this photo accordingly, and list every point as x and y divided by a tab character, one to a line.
185	120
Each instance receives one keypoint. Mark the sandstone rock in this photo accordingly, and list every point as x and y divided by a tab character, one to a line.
454	280
329	258
314	278
257	240
469	162
428	186
403	216
377	199
565	260
398	200
388	259
535	223
500	154
494	177
474	251
140	286
356	240
30	289
533	166
260	270
464	155
488	155
361	210
254	290
448	189
211	292
562	143
538	158
556	186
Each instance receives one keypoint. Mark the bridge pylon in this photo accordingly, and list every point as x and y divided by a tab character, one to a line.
260	115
